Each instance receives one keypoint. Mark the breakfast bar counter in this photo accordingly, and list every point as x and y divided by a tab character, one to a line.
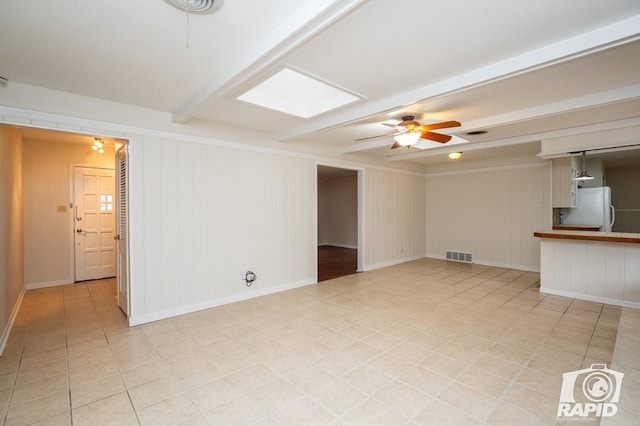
608	237
590	265
577	227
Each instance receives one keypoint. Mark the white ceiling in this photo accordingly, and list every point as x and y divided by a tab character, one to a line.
521	71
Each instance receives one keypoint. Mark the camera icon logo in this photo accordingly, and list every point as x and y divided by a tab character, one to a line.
597	386
590	392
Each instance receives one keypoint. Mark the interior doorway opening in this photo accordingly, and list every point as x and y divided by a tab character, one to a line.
51	228
339	231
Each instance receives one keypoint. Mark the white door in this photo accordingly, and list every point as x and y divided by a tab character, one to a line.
94	210
121	236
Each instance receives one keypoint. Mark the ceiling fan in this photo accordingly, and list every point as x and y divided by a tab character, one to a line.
409	132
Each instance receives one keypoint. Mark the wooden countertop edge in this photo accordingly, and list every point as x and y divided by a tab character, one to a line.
576	228
586	237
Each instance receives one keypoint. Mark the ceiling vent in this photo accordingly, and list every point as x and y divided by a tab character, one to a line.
196	6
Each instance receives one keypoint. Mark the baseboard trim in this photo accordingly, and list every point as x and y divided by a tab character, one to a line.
14	314
590	298
494	264
391	263
169	313
349	246
46	284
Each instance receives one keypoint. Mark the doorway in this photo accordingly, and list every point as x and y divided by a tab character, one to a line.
339	232
49	159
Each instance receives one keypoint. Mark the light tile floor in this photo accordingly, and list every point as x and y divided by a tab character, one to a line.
422	343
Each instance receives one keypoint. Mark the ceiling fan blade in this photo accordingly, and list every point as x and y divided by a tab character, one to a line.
395	145
376	137
436	137
443	125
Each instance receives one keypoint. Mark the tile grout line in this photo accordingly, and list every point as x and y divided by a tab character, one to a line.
115	359
513	381
15	379
66	349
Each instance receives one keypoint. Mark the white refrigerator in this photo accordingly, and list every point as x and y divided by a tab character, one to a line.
593	208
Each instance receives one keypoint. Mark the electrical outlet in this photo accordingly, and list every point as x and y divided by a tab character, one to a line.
248	277
62	209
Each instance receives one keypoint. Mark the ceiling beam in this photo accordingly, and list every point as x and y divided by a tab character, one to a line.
588	101
619	33
379	142
567	105
516	140
310	19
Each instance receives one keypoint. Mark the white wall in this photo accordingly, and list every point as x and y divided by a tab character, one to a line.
491	213
338	211
48	234
11	230
201	214
394	212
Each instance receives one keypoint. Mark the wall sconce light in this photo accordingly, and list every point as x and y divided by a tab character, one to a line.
455	155
97	145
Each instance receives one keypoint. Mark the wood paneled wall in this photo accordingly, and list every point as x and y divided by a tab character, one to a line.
491	213
602	272
394	211
201	215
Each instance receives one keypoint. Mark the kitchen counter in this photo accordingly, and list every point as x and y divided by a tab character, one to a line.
600	267
610	237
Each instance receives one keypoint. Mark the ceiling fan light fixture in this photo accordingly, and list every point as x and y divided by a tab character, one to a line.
455	155
407	138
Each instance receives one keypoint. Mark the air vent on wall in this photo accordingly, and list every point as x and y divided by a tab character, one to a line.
458	256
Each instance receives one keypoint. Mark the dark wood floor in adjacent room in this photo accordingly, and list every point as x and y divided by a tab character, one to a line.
334	262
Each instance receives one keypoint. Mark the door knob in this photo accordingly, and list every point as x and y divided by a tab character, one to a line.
79	231
116	237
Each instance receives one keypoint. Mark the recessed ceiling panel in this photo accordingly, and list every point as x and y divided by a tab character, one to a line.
298	94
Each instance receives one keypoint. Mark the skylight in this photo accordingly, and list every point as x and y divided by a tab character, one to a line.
297	94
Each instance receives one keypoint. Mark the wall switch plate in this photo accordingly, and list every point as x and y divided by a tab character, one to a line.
62	209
